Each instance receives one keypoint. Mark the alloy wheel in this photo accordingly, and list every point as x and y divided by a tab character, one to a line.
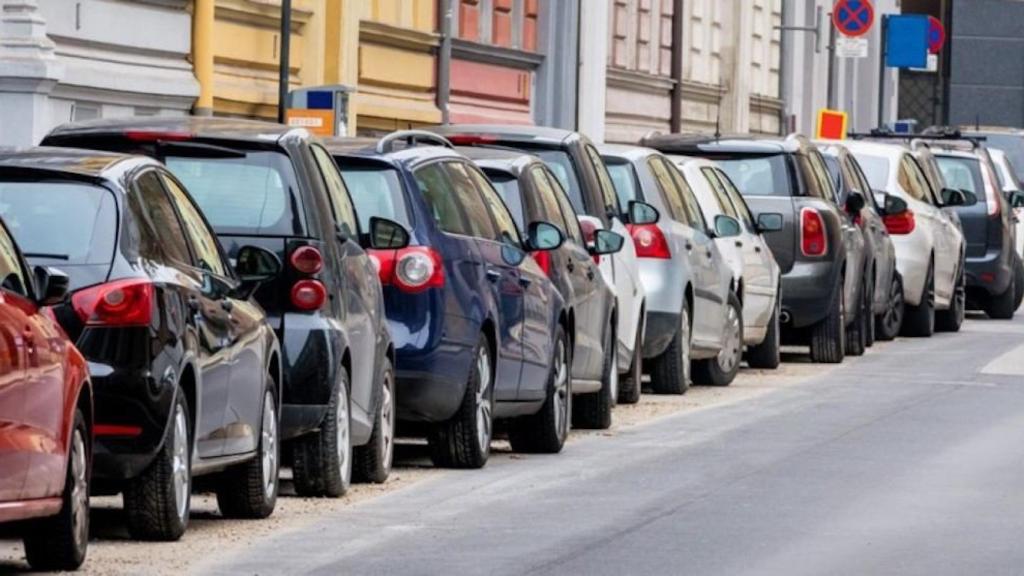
387	419
562	394
79	491
729	355
483	401
268	446
179	463
684	346
893	312
344	442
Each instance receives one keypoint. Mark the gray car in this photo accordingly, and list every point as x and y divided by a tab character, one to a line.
694	315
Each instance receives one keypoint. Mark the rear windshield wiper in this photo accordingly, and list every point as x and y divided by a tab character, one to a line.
46	255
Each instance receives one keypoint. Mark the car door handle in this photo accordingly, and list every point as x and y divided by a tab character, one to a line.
757	249
739	244
493	275
689	246
227	305
708	253
571	267
590	274
525	282
193	304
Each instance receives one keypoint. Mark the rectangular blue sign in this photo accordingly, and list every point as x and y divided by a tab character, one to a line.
906	41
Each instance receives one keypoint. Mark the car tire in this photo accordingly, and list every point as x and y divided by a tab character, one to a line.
951	320
890	322
1002	307
1018	281
828	337
157	502
464	441
919	321
60	543
722	369
631	385
670	372
546	431
871	334
373	461
322	461
767	355
594	411
250	490
857	331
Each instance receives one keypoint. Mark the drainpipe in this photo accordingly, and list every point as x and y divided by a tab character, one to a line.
676	113
284	72
446	10
202	55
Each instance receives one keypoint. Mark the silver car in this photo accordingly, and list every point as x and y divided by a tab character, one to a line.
694	315
755	272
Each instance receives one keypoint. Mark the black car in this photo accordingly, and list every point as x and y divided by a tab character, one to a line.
275	187
817	250
185	369
534	194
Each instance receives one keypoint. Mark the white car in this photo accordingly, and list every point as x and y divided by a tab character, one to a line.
754	269
1012	188
929	242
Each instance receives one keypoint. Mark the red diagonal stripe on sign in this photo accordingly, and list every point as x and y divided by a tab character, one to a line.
853	16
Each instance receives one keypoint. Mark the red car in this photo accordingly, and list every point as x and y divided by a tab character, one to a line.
45	417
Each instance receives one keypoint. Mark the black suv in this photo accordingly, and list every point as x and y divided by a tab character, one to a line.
185	368
276	187
817	250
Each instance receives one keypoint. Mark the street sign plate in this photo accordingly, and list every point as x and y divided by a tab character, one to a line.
853	17
936	35
847	47
831	124
906	41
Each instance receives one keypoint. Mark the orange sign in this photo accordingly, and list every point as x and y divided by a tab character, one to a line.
318	122
831	124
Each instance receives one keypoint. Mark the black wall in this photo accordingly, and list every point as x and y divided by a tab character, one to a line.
986	81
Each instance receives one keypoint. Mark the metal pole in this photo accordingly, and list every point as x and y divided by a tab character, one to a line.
676	111
831	98
444	60
284	74
881	74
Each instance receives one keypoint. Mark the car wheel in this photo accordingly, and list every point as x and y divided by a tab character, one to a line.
323	460
828	337
891	321
951	320
919	321
722	369
670	372
373	461
464	441
630	386
250	490
594	411
1002	307
1018	281
857	332
61	542
869	313
157	502
546	431
767	355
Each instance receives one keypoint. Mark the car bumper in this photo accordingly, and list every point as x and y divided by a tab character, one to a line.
664	283
432	367
913	257
661	329
310	349
990	274
807	292
758	306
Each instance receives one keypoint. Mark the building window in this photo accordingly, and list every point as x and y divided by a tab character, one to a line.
81	111
506	23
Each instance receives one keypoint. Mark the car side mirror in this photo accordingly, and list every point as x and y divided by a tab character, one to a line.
386	235
953	197
52	285
894	205
254	265
606	242
543	236
880	197
641	213
726	226
855	202
1015	198
769	222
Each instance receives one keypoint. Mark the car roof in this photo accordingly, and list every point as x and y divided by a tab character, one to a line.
518	133
197	126
513	162
695	144
71	162
626	151
366	149
888	149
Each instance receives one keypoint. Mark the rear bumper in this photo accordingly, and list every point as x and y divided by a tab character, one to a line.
311	348
661	329
807	292
913	256
665	285
991	274
432	368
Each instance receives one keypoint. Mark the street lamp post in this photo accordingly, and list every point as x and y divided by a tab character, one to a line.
283	72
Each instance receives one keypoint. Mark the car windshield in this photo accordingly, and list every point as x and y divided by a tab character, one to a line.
65	223
758	175
963	173
508	187
565	170
624	178
376	191
876	168
251	196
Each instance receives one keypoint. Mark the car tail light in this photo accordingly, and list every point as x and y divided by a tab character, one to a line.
992	205
118	303
543	259
307	260
900	224
116	430
589	230
470	139
412	269
308	295
157	136
813	241
649	241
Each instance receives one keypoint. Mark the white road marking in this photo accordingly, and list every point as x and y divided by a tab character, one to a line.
1009	364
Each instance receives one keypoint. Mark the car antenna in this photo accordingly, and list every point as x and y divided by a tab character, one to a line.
718	114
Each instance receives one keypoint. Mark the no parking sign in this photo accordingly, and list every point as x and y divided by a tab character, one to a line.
853	17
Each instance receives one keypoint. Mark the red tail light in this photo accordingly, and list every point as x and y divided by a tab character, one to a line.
649	241
116	430
813	241
900	224
156	136
412	269
470	139
307	260
308	295
118	303
543	259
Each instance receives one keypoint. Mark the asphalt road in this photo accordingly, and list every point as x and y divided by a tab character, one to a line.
907	461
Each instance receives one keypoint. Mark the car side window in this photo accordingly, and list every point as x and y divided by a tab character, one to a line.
720	196
737	200
161	237
546	199
14	276
909	181
689	200
341	202
470	201
862	183
922	181
204	242
663	176
437	192
608	195
572	224
504	224
826	189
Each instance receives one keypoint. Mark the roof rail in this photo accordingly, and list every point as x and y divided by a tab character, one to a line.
931	134
411	138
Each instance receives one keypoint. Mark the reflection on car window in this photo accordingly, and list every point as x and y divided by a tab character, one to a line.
963	174
608	196
696	216
376	191
508	187
719	191
159	234
439	196
663	176
504	224
11	272
469	200
758	175
624	179
562	167
344	212
204	243
737	200
572	223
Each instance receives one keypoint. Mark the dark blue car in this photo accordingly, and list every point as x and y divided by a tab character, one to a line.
480	332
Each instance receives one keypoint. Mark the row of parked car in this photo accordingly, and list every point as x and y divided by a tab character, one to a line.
201	301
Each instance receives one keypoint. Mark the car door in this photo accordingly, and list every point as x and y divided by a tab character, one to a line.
940	225
885	256
244	408
501	279
16	442
729	268
178	274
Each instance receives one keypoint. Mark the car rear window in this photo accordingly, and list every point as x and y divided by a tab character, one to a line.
876	168
250	196
59	222
624	178
564	169
963	174
376	191
758	175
